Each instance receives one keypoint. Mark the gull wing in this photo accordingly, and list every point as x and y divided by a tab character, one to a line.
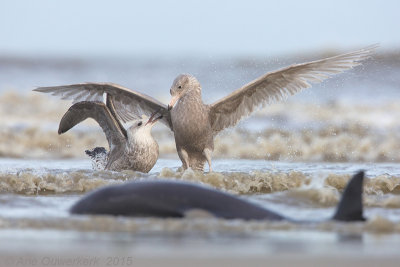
99	112
129	104
111	107
278	85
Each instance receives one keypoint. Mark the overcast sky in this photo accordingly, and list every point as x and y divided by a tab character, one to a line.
206	27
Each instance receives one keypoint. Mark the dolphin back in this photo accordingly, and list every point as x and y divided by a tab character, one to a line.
175	199
168	199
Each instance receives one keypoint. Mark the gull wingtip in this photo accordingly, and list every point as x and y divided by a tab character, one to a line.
371	48
40	89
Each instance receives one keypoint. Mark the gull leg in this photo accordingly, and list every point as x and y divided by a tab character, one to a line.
208	153
184	158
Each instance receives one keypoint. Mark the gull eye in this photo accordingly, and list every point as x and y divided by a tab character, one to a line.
140	124
180	86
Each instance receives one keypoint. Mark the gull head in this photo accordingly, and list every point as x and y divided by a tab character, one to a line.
141	128
182	85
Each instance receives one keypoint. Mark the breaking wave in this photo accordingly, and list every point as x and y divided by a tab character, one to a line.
30	182
293	132
380	191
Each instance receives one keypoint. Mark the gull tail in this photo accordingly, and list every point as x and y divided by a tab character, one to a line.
99	156
96	151
350	207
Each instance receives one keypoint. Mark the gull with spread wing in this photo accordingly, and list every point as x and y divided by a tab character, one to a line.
133	148
194	123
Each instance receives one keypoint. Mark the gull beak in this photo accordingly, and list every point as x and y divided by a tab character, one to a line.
153	118
173	102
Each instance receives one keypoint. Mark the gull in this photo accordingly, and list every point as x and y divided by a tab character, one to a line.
130	149
194	123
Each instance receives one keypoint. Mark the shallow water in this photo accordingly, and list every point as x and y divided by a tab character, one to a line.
38	193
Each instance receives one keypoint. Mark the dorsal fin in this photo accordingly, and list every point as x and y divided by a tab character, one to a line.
350	207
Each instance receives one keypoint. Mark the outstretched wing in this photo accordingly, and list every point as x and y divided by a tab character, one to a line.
111	107
129	104
99	112
278	85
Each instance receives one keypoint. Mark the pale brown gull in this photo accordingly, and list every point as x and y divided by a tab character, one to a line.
194	123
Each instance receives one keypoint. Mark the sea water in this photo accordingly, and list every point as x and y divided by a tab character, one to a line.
293	157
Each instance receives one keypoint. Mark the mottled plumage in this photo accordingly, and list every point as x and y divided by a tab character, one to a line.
131	149
194	123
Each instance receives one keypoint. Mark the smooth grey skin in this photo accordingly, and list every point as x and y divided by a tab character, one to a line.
194	123
350	207
132	149
175	199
